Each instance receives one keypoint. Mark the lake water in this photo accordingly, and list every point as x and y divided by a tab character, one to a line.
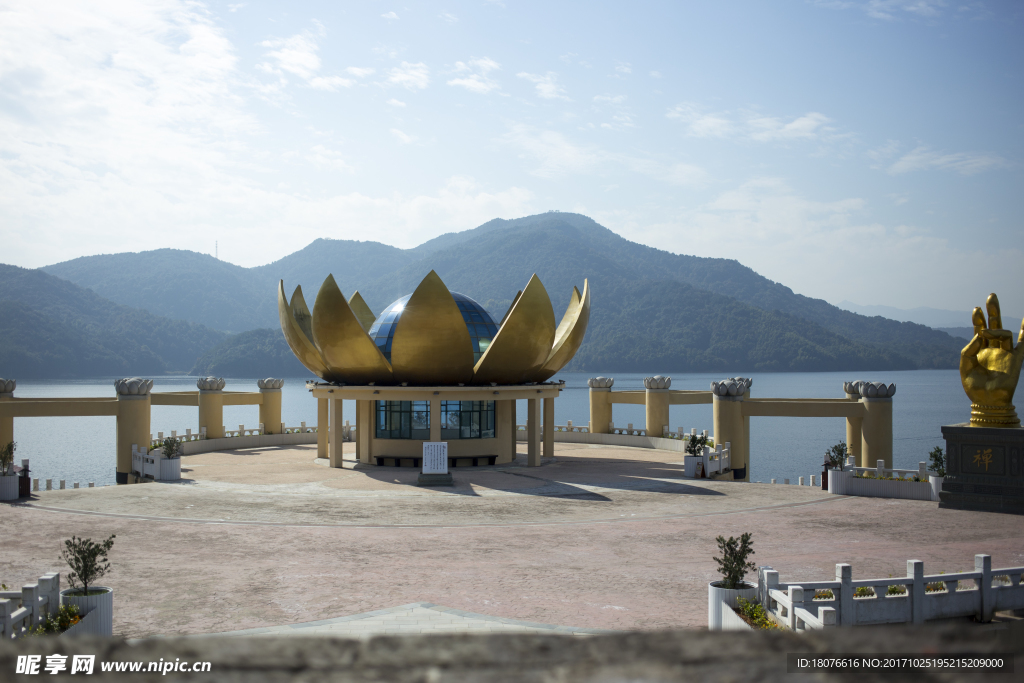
82	448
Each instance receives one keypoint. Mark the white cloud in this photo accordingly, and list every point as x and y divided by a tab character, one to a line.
474	75
396	103
237	6
547	85
413	76
609	99
449	17
298	56
359	72
767	129
655	74
558	157
402	137
752	126
390	16
964	163
890	10
327	159
623	69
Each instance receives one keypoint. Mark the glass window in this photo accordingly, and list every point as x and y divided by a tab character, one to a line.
467	420
403	420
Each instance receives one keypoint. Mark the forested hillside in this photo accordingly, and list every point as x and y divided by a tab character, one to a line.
649	306
53	328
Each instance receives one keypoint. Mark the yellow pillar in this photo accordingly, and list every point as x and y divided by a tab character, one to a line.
854	426
876	432
133	425
731	426
366	427
503	426
211	406
600	404
270	405
657	404
514	436
533	433
335	440
7	387
323	427
549	428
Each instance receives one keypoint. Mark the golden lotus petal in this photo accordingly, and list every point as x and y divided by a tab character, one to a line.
363	312
514	300
431	343
517	353
569	335
350	354
301	345
301	312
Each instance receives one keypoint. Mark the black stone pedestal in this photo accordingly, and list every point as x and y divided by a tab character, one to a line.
435	480
984	469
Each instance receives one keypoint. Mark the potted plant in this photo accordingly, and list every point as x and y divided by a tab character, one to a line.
733	565
88	562
8	479
170	463
936	471
694	450
835	459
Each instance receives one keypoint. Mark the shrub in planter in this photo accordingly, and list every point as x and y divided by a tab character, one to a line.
172	447
755	615
695	445
8	480
88	562
937	473
836	456
57	622
733	566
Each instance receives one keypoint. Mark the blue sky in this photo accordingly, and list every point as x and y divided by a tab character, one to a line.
868	151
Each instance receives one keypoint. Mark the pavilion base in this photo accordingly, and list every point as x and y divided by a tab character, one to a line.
984	469
435	480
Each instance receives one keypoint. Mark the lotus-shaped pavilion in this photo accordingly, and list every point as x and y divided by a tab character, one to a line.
434	366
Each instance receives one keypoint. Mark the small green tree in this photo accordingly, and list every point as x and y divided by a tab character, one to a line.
836	455
172	447
938	462
733	565
88	560
695	445
7	457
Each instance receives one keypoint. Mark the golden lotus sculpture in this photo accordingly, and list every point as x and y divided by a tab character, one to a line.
990	368
432	337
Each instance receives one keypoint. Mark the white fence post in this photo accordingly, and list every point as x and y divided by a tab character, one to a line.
983	564
30	601
915	571
844	575
827	616
796	595
879	469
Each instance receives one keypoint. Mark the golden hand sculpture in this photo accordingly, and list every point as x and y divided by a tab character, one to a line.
990	367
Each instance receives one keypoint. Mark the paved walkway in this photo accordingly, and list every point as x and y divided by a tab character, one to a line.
418	617
601	538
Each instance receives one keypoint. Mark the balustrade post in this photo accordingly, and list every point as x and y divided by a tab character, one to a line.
915	571
983	564
796	597
844	575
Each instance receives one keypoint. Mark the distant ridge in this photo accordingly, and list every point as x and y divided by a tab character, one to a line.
653	310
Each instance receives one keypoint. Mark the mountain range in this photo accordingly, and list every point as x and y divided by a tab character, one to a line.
652	310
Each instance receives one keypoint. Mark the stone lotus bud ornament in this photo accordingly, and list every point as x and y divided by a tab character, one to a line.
210	383
269	383
600	382
657	382
7	386
432	337
734	386
990	369
133	386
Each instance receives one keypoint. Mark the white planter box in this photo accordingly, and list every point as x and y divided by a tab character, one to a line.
845	484
690	465
170	469
936	484
99	607
9	487
721	600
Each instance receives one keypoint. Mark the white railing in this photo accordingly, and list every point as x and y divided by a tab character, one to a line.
880	471
242	430
22	611
568	427
915	598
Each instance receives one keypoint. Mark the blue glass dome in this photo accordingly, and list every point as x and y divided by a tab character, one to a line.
478	321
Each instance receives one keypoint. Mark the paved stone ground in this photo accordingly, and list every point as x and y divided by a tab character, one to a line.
417	618
602	538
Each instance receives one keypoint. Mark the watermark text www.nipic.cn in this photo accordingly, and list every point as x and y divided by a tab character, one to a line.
85	664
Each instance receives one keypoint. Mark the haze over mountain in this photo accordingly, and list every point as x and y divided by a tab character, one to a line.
653	310
53	328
